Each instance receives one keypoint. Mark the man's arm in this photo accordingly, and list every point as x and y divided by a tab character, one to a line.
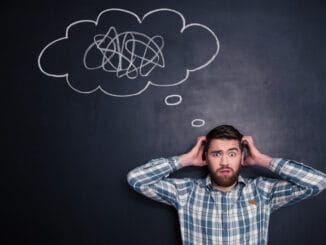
152	179
297	182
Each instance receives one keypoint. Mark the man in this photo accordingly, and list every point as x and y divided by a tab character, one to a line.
226	208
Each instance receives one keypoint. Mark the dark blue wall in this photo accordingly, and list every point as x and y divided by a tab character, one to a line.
67	154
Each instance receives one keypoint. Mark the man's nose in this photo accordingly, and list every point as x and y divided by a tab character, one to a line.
224	161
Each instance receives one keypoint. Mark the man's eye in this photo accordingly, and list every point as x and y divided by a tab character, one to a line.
232	154
216	154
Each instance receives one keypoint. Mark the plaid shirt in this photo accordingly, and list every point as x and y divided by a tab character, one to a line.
240	216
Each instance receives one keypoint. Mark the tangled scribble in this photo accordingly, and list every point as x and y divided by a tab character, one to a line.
127	54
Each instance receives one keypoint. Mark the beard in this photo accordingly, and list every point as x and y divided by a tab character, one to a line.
224	180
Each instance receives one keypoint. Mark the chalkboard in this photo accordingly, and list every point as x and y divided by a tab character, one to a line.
93	89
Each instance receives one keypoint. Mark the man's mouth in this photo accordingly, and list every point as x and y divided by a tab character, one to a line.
224	171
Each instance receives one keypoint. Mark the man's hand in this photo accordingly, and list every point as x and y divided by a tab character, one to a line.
255	157
194	157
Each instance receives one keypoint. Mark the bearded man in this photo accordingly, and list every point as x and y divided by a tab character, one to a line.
225	207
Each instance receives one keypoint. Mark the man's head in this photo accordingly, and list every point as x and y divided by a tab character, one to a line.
224	153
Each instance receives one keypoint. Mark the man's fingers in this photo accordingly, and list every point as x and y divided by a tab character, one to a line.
201	138
252	150
200	141
247	140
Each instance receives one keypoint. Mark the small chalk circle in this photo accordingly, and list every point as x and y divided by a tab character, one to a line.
169	99
197	123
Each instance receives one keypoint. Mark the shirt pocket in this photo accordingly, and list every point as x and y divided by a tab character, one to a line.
249	207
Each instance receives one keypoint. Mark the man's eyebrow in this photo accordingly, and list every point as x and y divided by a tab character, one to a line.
219	151
216	151
233	149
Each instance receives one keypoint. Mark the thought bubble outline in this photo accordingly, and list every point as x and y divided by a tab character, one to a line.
173	96
184	27
197	123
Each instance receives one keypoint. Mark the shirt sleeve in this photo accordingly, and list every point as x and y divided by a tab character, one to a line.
297	182
151	180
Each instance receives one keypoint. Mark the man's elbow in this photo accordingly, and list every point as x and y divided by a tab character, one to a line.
322	186
316	189
130	179
133	181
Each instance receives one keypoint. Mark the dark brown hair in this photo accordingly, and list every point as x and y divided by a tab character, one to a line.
222	132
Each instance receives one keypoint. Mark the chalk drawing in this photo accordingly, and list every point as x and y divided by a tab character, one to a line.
169	101
119	53
197	123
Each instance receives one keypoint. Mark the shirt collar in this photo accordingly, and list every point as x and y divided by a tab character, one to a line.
208	181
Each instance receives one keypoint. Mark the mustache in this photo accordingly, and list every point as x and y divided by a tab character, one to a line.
224	168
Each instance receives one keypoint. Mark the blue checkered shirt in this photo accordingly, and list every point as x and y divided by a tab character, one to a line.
240	216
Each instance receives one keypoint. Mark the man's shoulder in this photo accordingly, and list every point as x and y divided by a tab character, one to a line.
200	182
258	180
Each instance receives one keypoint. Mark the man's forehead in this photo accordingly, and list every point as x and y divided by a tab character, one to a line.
223	144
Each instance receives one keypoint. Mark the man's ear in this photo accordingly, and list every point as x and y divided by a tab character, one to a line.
204	154
244	148
242	157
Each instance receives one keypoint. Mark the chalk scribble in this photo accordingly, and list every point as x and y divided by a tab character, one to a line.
127	54
122	54
134	57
